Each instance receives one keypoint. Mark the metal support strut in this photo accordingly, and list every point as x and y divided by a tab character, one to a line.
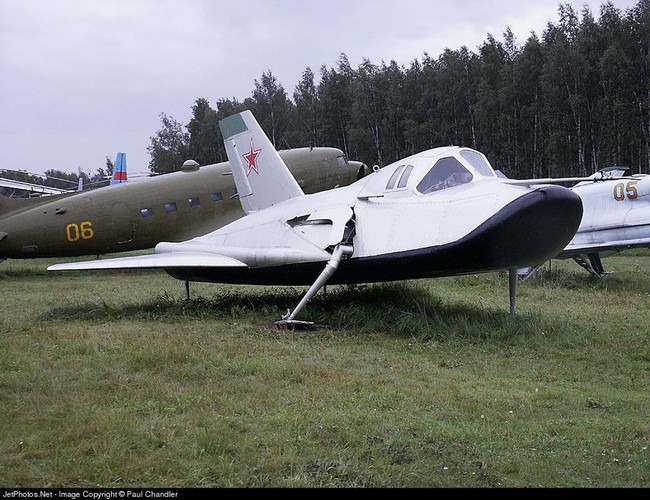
512	275
339	252
594	266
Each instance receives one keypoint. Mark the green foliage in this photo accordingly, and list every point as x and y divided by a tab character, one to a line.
307	110
273	109
205	144
169	148
567	103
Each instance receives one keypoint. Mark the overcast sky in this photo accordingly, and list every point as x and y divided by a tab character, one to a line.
81	80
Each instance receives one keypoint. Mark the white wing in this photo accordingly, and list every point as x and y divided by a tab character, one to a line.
152	261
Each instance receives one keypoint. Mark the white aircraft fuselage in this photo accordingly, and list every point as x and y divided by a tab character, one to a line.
407	228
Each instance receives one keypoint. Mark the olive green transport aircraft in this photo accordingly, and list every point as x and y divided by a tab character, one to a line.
137	215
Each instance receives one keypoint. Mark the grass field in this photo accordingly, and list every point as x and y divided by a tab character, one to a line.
114	380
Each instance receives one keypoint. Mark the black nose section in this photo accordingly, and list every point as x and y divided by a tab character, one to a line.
533	228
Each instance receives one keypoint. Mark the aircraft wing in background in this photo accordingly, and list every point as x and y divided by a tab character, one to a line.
35	189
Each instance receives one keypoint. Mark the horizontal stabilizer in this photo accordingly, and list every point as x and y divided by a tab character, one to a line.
152	261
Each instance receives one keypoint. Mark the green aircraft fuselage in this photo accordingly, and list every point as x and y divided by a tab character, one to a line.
138	215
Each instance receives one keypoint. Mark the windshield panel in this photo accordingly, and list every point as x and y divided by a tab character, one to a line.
478	161
446	173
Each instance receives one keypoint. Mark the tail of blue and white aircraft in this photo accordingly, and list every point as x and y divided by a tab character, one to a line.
119	169
261	177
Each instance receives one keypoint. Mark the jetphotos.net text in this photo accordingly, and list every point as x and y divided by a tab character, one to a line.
89	494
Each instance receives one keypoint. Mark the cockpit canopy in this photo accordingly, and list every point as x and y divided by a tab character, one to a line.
452	166
449	171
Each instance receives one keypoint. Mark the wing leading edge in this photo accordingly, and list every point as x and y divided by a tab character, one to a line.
153	261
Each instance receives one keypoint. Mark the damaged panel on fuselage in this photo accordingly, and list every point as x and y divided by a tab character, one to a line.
323	228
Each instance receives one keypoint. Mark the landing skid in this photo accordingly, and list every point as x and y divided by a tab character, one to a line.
294	324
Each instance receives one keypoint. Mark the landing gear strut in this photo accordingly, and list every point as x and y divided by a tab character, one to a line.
512	278
288	321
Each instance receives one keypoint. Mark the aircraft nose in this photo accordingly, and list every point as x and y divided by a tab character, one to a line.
535	227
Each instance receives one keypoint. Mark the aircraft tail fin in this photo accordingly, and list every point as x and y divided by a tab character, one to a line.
119	169
261	176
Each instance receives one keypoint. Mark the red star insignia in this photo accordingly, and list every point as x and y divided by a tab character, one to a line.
251	158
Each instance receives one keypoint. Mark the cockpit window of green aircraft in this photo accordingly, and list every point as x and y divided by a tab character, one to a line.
146	212
446	173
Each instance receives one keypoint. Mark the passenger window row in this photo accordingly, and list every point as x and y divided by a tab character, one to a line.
171	206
